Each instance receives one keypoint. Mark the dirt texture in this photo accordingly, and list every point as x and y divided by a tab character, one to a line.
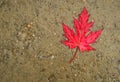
30	47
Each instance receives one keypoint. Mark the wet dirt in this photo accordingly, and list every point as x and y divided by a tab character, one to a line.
30	35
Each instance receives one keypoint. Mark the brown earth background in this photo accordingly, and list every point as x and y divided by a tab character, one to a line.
30	35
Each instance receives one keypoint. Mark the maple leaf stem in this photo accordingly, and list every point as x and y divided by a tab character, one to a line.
74	56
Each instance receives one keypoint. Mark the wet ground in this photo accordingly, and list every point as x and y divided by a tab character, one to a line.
30	35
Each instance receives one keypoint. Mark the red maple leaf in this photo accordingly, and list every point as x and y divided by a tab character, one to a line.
82	37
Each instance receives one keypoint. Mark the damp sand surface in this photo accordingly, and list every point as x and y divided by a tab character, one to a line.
30	35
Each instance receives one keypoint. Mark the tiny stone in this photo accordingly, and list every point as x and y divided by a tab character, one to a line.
33	35
52	57
54	33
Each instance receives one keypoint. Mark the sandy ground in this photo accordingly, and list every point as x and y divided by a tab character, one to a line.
30	35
